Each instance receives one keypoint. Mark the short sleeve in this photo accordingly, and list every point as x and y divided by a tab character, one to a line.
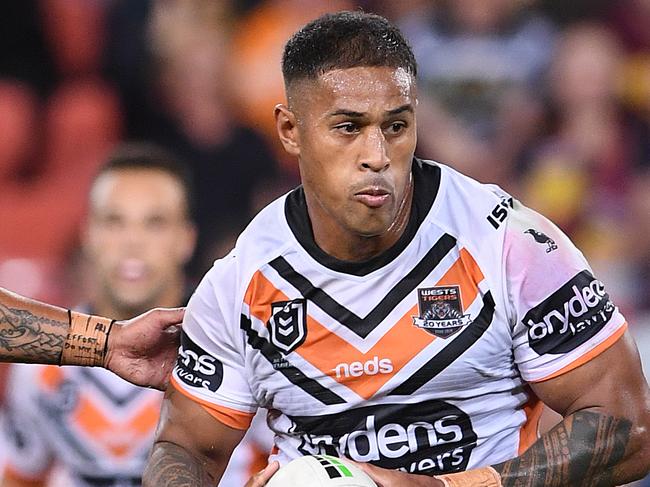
28	453
562	314
211	361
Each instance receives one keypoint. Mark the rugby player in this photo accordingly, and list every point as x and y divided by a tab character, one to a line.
396	312
138	237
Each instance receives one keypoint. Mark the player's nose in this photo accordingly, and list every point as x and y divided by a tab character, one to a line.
374	153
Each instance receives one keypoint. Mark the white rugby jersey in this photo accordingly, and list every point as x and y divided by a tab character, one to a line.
96	426
417	359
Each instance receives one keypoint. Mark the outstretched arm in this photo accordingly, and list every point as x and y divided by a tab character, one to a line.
31	331
604	439
141	350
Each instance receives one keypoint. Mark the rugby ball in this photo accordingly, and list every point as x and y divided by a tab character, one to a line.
320	471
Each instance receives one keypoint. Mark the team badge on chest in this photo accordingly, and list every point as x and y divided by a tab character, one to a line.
288	324
441	311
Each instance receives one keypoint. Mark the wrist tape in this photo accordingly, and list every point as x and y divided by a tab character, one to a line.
482	477
87	340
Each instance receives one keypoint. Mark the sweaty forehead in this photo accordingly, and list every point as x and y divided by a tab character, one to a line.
360	88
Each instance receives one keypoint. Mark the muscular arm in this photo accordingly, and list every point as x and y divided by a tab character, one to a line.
30	331
192	448
603	439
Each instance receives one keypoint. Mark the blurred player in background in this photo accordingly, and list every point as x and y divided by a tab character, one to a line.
137	239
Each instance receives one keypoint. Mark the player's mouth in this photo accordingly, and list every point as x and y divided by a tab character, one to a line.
132	270
373	196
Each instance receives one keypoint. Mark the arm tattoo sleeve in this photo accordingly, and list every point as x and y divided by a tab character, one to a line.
28	337
172	466
582	450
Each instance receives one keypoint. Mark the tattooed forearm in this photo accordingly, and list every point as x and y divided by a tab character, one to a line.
582	450
30	331
172	466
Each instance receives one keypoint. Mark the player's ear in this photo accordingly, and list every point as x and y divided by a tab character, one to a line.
287	127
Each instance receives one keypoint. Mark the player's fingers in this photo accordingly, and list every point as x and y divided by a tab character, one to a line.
262	477
168	317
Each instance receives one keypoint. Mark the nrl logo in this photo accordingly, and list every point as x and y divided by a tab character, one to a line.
288	324
441	311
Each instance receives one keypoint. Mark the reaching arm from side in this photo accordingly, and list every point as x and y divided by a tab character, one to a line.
31	331
141	350
192	448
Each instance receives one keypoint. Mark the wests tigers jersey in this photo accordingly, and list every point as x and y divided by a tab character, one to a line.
418	359
96	428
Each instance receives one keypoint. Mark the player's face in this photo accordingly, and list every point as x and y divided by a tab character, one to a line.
138	237
355	137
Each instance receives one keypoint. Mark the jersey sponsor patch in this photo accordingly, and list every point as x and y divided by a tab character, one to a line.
288	324
426	437
570	316
196	367
441	311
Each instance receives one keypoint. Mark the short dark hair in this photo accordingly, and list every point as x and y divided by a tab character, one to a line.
345	40
149	156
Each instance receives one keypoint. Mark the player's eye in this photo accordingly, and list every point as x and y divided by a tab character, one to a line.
347	128
395	128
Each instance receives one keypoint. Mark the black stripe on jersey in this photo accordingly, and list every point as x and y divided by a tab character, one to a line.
363	326
426	183
59	418
451	352
131	394
291	372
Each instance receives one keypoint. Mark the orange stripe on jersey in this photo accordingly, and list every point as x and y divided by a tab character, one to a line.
238	420
466	274
259	296
259	459
90	418
400	344
51	377
13	476
117	436
146	419
319	343
529	431
589	355
346	366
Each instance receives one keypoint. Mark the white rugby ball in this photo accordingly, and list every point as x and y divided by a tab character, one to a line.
320	471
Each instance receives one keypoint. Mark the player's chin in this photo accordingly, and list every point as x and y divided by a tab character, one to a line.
373	225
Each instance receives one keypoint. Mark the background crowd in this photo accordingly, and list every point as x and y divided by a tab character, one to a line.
549	99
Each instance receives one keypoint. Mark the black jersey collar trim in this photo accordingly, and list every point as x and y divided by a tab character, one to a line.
426	182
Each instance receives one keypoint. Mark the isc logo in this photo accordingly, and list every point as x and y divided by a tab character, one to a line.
500	212
373	366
